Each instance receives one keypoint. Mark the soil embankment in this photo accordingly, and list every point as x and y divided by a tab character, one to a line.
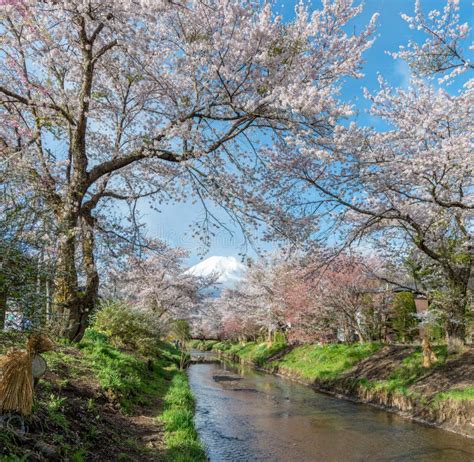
98	402
431	398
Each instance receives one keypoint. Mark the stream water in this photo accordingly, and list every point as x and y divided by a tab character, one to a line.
244	415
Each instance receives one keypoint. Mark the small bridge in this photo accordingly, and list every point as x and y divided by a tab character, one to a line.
204	359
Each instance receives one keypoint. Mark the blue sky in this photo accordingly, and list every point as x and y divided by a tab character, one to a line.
174	222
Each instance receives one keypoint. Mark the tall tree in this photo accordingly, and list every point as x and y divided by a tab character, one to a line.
412	182
116	100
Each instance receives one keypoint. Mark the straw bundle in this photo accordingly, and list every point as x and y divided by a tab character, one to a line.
16	379
39	343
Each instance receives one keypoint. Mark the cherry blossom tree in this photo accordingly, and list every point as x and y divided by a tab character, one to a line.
306	319
104	101
325	299
358	300
156	283
409	183
245	314
442	52
308	299
254	307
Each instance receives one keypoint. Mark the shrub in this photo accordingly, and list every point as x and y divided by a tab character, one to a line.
404	322
126	327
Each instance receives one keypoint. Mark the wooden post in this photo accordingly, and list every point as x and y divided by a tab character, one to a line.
421	304
429	357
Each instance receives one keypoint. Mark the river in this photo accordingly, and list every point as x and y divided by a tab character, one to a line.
244	415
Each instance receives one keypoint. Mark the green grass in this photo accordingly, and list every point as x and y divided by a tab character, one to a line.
325	362
459	395
54	407
307	361
407	373
181	438
130	379
259	353
223	345
125	376
329	362
208	345
203	345
254	352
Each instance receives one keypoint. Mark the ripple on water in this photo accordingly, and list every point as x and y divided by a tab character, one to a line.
258	417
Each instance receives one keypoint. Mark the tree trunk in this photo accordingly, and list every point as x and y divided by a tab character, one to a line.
65	300
455	334
3	309
359	331
66	276
90	296
429	358
456	315
80	304
72	307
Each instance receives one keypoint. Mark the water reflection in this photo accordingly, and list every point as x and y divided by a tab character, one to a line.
249	416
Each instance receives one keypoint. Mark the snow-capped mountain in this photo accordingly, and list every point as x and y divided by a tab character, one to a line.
229	270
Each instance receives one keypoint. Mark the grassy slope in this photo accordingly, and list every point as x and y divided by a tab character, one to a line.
127	377
84	385
409	372
324	362
307	361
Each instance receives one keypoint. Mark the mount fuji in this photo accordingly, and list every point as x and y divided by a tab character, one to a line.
229	270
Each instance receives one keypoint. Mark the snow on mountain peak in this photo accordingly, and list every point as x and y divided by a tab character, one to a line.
228	269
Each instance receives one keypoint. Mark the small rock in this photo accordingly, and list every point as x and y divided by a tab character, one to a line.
49	451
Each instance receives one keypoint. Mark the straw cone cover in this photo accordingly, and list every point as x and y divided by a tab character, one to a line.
16	378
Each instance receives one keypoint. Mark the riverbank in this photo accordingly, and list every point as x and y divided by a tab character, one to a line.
390	377
101	403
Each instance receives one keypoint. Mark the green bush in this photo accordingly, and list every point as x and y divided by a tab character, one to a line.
404	322
126	327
